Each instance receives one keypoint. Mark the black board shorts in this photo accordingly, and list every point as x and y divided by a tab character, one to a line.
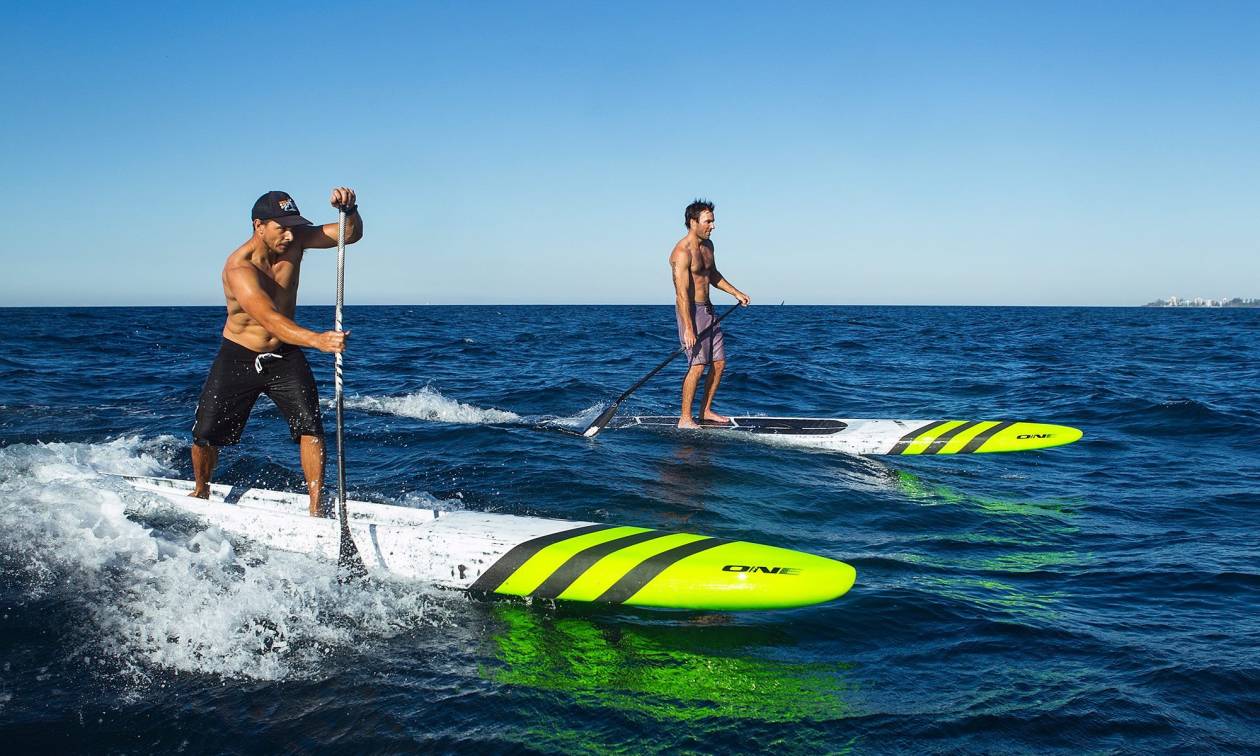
236	379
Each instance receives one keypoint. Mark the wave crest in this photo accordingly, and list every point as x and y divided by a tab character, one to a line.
429	404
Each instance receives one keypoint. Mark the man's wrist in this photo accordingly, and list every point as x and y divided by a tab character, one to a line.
351	210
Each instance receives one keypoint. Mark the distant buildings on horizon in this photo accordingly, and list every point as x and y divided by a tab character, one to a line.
1201	302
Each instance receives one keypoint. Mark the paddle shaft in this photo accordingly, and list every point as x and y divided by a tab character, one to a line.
340	400
674	356
348	555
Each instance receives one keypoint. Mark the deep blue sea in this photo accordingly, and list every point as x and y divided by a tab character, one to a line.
1100	597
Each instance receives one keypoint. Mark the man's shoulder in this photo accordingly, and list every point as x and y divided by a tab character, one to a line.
683	249
244	258
241	256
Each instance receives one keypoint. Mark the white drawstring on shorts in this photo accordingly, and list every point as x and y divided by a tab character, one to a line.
258	361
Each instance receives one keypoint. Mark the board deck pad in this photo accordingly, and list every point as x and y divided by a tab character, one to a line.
807	426
524	556
878	437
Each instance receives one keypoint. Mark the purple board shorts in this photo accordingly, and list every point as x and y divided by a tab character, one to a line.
711	345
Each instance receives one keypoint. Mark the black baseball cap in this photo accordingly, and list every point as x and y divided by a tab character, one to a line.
279	207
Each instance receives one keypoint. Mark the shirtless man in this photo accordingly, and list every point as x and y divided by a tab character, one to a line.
260	349
694	271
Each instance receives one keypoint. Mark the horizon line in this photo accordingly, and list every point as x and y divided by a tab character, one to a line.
1150	306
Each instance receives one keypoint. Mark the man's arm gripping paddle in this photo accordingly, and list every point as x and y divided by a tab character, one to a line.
325	236
604	417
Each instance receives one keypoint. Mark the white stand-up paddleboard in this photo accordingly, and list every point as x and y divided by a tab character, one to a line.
526	556
882	436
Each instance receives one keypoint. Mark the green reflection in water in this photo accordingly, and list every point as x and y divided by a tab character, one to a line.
1027	563
996	595
670	673
935	494
987	580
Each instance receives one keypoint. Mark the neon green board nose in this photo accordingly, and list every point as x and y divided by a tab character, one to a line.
985	437
1028	436
641	567
740	575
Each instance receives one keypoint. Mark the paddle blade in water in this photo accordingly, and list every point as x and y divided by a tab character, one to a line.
349	563
600	421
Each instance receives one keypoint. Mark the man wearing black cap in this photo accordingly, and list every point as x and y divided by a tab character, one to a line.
260	350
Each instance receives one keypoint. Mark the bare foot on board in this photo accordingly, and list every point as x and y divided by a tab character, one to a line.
686	422
200	493
713	417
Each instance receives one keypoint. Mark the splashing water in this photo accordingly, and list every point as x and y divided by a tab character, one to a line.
429	404
577	422
159	598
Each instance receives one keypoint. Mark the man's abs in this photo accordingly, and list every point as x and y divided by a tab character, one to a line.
242	329
255	338
700	290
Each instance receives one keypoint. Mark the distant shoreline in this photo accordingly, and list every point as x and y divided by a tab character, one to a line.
1204	303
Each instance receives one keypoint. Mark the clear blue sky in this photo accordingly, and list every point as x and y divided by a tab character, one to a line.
867	153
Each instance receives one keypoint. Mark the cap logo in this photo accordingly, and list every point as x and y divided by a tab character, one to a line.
288	205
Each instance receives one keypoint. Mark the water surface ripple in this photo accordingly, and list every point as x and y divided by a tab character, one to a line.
1100	596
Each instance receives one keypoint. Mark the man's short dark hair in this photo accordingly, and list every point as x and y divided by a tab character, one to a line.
692	213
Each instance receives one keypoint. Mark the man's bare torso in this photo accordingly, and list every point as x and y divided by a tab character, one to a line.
699	257
278	276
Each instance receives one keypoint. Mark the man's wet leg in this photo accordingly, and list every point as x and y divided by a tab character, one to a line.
204	458
685	418
312	450
710	388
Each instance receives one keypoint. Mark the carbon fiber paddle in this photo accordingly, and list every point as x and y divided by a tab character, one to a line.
348	560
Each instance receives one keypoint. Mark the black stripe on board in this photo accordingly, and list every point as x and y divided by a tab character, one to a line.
559	581
909	438
804	426
939	442
979	440
634	580
788	425
520	554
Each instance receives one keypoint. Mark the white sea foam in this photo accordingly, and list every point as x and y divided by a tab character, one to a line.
168	600
430	404
580	421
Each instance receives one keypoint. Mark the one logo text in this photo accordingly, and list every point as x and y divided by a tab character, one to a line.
760	568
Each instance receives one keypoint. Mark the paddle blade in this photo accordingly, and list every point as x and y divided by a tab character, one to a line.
600	421
349	564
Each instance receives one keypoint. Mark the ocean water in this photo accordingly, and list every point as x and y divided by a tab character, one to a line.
1101	596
